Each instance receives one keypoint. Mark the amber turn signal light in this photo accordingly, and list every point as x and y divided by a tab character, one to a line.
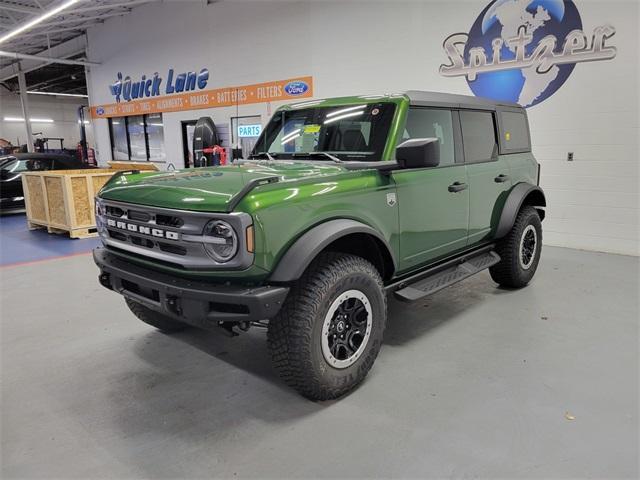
249	233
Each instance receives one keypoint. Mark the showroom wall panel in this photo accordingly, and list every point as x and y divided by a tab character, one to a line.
378	46
63	112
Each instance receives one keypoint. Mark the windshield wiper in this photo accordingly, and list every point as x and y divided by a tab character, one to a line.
333	158
267	155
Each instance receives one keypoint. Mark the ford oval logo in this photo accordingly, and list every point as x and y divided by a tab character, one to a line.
296	88
100	111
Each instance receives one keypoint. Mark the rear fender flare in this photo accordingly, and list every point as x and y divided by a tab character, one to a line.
520	194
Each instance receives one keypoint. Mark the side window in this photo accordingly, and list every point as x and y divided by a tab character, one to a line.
515	134
432	123
39	164
478	135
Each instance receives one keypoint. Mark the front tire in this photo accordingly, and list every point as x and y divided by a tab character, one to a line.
161	322
327	335
519	251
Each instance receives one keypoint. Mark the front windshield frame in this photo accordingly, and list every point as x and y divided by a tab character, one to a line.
321	128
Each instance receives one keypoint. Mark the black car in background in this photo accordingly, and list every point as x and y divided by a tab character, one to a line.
12	166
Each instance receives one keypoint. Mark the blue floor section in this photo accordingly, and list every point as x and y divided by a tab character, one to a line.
18	244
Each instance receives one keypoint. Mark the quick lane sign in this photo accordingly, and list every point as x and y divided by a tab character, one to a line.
279	90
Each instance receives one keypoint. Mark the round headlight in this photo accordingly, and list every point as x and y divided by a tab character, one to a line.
221	241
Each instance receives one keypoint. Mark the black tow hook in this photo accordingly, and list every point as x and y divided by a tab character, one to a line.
105	280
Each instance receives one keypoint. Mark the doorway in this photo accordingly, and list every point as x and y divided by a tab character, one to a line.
188	127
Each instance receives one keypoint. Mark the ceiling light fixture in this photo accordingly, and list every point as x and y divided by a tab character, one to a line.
39	19
79	95
32	120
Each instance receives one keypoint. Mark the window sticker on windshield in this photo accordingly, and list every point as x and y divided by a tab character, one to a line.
507	136
311	128
375	111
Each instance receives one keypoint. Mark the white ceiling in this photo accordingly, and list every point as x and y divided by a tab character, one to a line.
68	24
59	37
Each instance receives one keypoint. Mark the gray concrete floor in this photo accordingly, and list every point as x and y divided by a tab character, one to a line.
474	382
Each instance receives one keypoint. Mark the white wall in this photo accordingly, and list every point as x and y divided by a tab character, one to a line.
373	47
62	110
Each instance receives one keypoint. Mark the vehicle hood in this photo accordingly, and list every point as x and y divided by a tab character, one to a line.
212	189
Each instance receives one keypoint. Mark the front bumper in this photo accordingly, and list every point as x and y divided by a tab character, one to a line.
197	303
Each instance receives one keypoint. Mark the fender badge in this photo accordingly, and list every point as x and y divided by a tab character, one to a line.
391	199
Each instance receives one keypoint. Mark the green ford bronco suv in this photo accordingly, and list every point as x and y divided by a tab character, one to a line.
342	202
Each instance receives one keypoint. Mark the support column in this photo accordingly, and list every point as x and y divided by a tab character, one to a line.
24	100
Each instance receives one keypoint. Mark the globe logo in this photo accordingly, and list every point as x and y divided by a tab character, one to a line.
523	51
503	19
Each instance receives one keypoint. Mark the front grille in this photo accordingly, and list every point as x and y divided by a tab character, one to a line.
169	221
138	257
138	216
156	233
141	242
169	237
175	249
117	235
114	211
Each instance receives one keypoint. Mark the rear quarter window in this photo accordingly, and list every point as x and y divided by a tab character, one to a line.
514	135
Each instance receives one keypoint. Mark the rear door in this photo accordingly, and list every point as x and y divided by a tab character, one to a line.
433	202
488	174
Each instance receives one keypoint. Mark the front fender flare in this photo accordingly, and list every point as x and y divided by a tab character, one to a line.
514	202
299	255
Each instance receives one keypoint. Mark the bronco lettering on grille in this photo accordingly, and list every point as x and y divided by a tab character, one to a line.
154	232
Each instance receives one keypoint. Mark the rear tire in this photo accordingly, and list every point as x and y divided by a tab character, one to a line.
155	319
327	335
519	251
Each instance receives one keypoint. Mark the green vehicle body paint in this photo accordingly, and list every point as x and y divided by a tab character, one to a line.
328	175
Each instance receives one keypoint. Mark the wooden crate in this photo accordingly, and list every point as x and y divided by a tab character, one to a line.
121	165
62	201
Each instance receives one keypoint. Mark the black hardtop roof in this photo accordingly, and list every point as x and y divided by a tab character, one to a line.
43	155
420	97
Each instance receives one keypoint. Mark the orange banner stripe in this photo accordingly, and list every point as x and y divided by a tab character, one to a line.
219	97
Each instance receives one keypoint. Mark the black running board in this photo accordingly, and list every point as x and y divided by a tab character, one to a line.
446	275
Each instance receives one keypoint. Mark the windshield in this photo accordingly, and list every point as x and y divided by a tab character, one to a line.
349	132
12	167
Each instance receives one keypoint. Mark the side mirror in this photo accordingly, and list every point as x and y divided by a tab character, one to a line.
418	153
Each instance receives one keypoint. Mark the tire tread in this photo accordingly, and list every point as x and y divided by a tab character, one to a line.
508	272
290	333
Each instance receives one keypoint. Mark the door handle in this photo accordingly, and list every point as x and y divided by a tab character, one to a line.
457	187
501	178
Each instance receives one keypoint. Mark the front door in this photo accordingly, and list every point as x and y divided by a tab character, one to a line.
488	173
433	202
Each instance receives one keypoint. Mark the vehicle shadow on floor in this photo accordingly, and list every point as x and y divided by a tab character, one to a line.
248	352
409	322
198	383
